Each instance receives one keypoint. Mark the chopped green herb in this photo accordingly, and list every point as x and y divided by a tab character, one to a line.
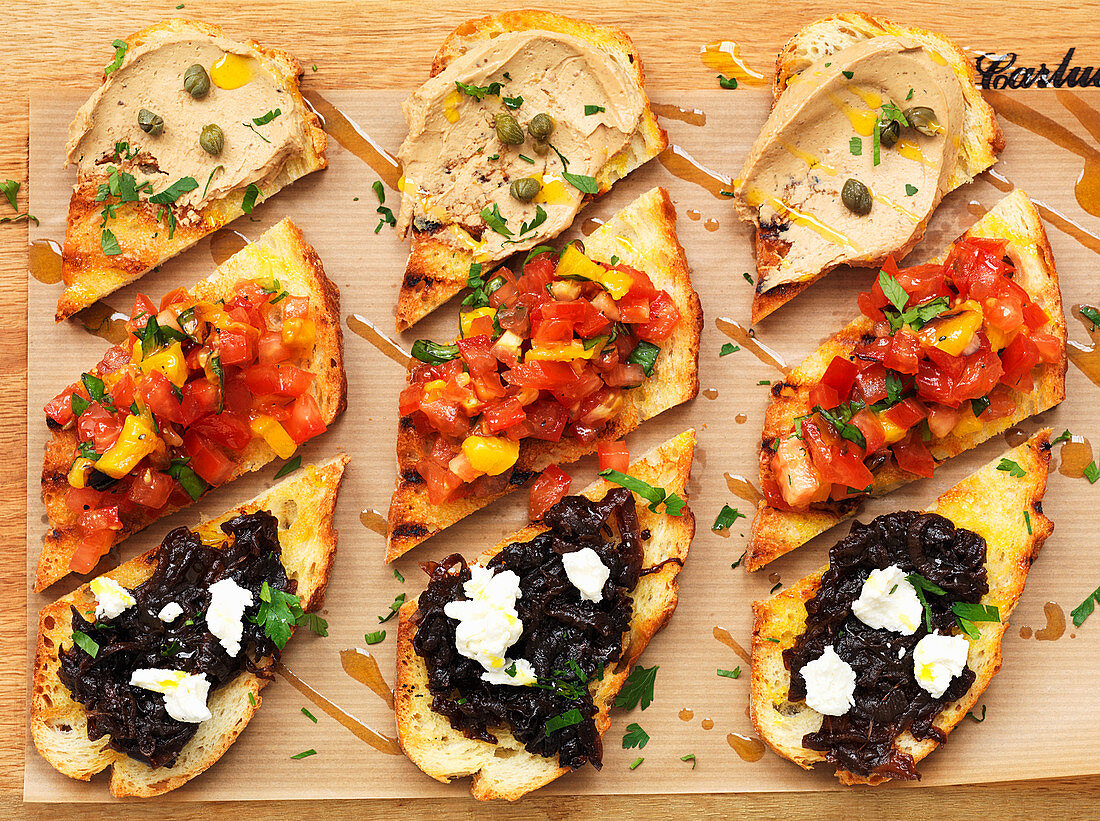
268	117
910	190
654	495
847	74
637	763
397	575
585	184
764	382
525	158
589	110
966	614
855	146
916	316
689	757
922	585
734	673
374	638
479	92
309	715
278	613
769	638
839	418
304	754
972	717
174	191
740	559
427	351
1085	608
1091	314
1064	436
24	217
748	278
249	201
644	354
217	168
182	472
1013	469
109	243
909	96
1092	472
86	643
495	220
512	102
777	586
1027	521
290	466
251	697
10	188
726	517
727	82
979	405
634	737
397	602
566	719
728	348
120	52
727	194
614	259
638	688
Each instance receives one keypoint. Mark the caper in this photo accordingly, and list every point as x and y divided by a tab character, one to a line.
212	139
149	122
541	146
525	189
924	120
508	130
856	197
541	127
888	133
196	81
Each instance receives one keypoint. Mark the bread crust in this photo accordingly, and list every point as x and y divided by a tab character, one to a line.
445	754
776	532
304	505
983	139
642	235
300	271
90	275
1007	512
435	270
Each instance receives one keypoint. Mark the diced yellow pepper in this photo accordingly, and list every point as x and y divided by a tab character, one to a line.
969	424
561	351
269	429
490	454
78	473
135	353
137	440
998	339
893	432
170	362
466	319
573	263
433	390
953	331
299	332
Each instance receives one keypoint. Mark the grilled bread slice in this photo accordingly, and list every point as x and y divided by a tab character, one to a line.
775	532
281	252
436	271
981	141
506	770
304	506
643	236
141	228
1004	510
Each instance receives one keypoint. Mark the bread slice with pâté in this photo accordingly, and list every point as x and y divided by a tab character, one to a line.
282	254
775	531
643	236
143	197
806	58
304	505
506	769
1004	508
437	270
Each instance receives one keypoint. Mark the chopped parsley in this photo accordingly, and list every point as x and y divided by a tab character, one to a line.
281	611
495	220
1079	613
748	278
387	217
634	737
638	688
637	763
1092	472
972	717
777	586
397	575
266	118
479	92
589	110
915	317
689	757
10	188
1013	469
536	221
566	719
674	505
910	190
581	182
120	52
173	192
374	638
1027	521
251	697
764	382
109	243
979	405
525	158
512	102
291	466
921	585
304	754
397	602
729	83
729	348
909	96
644	354
309	715
966	614
1091	314
855	146
848	74
726	517
734	673
1064	436
86	643
840	416
249	200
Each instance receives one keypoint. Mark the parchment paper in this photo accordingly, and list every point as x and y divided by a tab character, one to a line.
1041	719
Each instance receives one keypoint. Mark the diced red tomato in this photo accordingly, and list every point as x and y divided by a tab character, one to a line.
103	518
836	460
906	413
942	420
544	375
81	499
476	353
156	392
904	352
797	481
1048	345
140	313
211	465
547	419
200	398
235	348
295	307
613	455
271	349
871	428
151	489
115	358
840	375
98	426
409	399
174	296
503	414
546	491
60	408
625	376
305	419
441	483
663	316
280	380
122	392
1018	359
913	457
227	429
871	381
91	548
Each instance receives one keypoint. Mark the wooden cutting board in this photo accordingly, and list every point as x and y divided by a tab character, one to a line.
362	45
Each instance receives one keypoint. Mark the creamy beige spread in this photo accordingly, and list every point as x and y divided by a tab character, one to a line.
151	77
791	182
454	165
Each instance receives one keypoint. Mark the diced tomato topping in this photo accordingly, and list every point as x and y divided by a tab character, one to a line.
98	426
92	547
156	392
836	460
271	349
200	398
103	518
140	313
295	307
547	420
942	420
871	428
151	489
546	491
235	348
1018	359
502	415
280	380
613	455
663	317
305	419
227	429
904	352
913	457
60	408
212	466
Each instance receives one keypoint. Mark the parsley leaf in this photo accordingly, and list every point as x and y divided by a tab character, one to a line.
190	481
848	74
279	612
589	110
566	719
9	188
581	182
839	418
910	190
1091	314
250	194
634	737
855	147
726	517
972	717
654	495
120	52
512	102
176	190
495	220
1085	608
479	92
1092	472
434	354
689	757
644	354
374	638
740	559
397	575
86	643
109	243
734	673
966	614
304	754
729	348
266	118
638	688
893	291
728	83
1013	469
397	602
290	466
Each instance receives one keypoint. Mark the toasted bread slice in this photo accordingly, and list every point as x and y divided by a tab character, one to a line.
304	505
436	271
140	227
506	770
982	139
281	252
1004	510
642	235
775	532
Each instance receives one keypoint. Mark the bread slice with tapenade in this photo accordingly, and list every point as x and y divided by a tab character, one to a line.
776	531
436	269
280	254
506	769
809	54
303	505
1002	507
642	236
115	232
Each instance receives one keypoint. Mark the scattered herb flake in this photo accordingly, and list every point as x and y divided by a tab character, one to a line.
689	757
972	717
769	638
304	754
637	763
397	602
512	102
726	517
1013	469
748	278
109	243
289	467
1027	521
727	82
495	220
1085	608
847	74
654	495
566	719
909	96
740	559
638	688
374	638
634	737
120	52
910	190
764	382
86	643
1092	472
1091	314
1064	436
250	194
855	146
729	348
734	673
10	188
589	110
173	192
397	575
309	715
251	697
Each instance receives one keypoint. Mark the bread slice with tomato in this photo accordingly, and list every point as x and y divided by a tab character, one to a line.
304	505
429	495
1005	509
506	769
118	228
195	402
1031	356
437	270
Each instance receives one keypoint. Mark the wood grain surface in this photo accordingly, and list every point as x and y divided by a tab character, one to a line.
50	43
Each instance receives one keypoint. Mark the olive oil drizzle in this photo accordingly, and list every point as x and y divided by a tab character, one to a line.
1085	358
102	320
1056	623
742	488
225	243
375	521
348	133
723	635
44	261
747	747
746	339
724	56
363	327
691	116
681	164
363	667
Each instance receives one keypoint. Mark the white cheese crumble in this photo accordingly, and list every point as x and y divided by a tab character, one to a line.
587	573
170	612
524	675
889	602
937	660
111	598
225	614
184	693
488	623
830	684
